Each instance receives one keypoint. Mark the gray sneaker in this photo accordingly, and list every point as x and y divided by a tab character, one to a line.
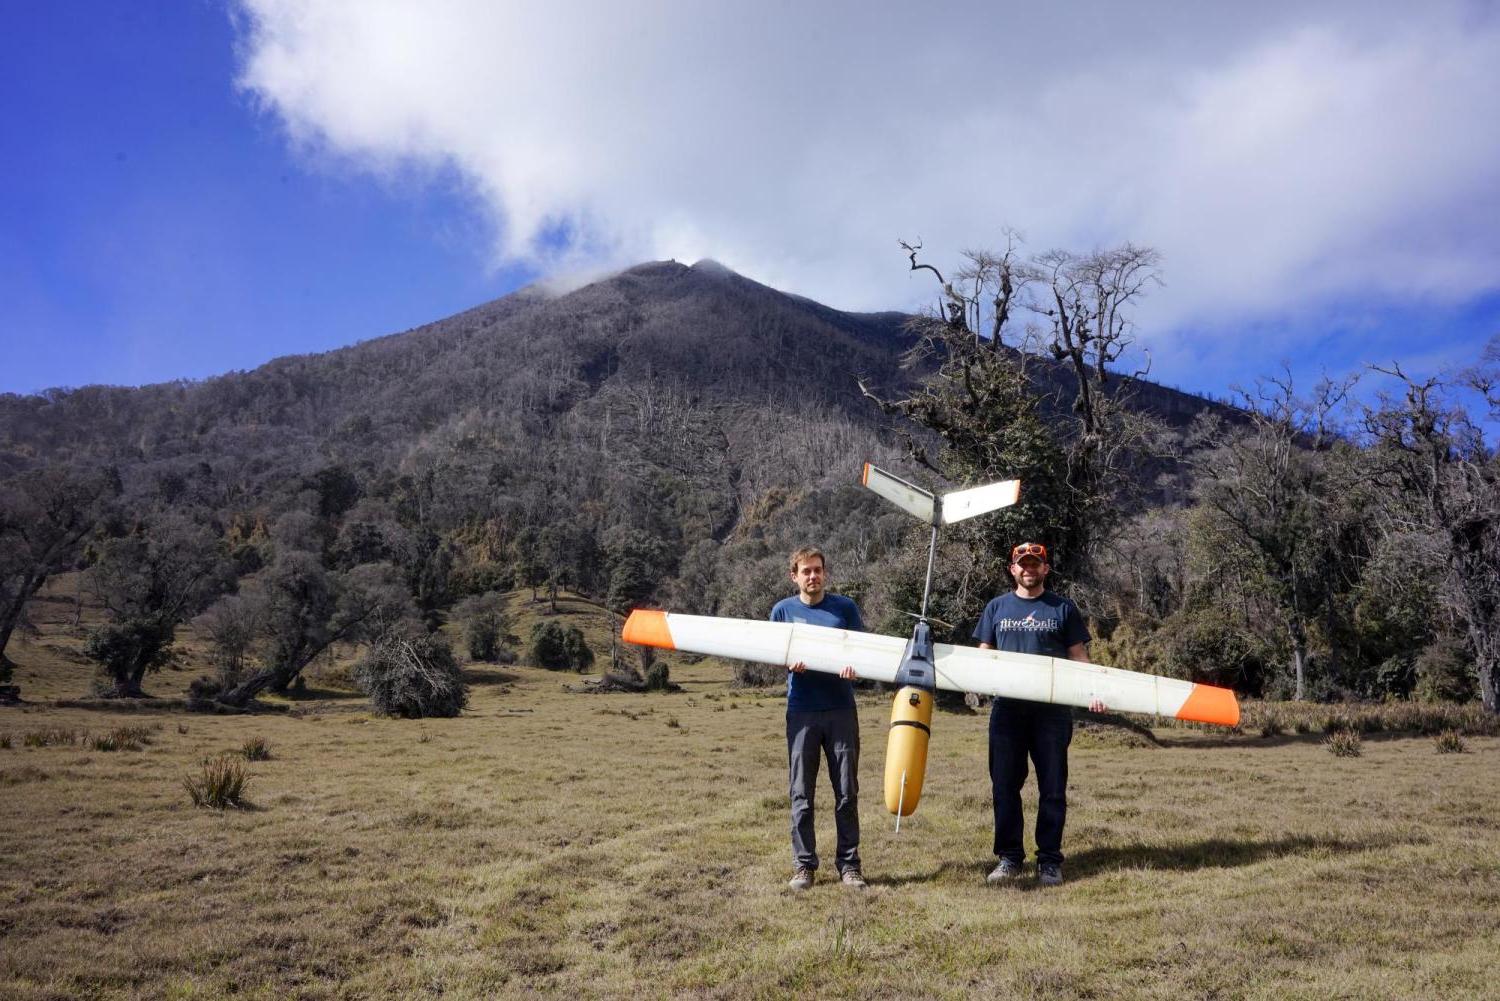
1007	870
853	879
1049	874
802	879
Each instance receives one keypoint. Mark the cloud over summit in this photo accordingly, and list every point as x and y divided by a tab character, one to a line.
1283	158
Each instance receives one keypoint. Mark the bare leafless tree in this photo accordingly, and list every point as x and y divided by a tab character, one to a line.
1447	484
984	403
1275	499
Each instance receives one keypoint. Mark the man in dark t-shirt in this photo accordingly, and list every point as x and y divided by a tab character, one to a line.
821	721
1031	620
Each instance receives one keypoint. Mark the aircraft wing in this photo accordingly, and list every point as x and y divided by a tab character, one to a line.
958	668
873	656
1073	683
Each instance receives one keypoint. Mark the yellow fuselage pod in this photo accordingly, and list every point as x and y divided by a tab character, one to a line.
906	750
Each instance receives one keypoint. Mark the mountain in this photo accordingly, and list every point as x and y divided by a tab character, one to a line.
688	415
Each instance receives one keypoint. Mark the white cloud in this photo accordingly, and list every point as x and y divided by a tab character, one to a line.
1283	157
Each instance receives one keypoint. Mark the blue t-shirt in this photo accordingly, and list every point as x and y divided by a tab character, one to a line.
818	691
1046	625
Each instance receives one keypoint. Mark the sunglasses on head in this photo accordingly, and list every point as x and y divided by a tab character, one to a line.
1028	549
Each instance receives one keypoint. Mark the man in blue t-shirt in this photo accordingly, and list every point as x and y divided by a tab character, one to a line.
820	719
1032	620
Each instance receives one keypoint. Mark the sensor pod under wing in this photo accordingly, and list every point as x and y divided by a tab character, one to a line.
911	709
958	668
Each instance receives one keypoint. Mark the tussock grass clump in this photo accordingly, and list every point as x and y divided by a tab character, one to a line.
1271	725
4	741
1450	742
125	738
256	749
53	736
219	784
1344	744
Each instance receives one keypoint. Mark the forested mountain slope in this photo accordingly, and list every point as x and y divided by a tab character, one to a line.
674	426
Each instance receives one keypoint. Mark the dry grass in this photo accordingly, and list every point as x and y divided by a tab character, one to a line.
559	844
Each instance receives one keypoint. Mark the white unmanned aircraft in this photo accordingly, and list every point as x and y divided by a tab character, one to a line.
921	666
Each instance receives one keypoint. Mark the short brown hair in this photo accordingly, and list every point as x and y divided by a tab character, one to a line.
805	554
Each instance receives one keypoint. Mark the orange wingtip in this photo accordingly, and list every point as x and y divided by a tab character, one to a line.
864	476
648	628
1209	704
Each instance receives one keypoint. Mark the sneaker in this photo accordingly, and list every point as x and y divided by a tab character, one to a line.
1007	870
1049	874
853	879
802	879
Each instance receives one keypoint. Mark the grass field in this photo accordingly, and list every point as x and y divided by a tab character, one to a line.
550	842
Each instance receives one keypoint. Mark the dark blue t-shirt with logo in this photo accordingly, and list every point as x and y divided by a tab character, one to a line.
818	691
1045	625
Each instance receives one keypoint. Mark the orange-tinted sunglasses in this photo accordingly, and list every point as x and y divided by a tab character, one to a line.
1029	549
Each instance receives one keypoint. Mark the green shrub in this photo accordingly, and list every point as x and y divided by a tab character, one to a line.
1450	742
750	674
1344	744
205	688
219	784
482	636
482	618
658	677
559	648
413	678
1445	673
256	749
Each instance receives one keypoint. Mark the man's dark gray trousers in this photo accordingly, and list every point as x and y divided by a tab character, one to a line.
832	735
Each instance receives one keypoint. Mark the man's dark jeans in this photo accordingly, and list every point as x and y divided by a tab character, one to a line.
1020	729
834	734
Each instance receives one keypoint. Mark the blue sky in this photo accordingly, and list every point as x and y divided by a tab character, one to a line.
201	186
158	226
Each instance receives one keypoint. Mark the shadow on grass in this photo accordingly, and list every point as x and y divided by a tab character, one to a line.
166	705
310	694
475	675
1215	853
1211	741
920	877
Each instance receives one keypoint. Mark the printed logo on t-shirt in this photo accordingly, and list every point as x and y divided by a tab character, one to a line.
1030	624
